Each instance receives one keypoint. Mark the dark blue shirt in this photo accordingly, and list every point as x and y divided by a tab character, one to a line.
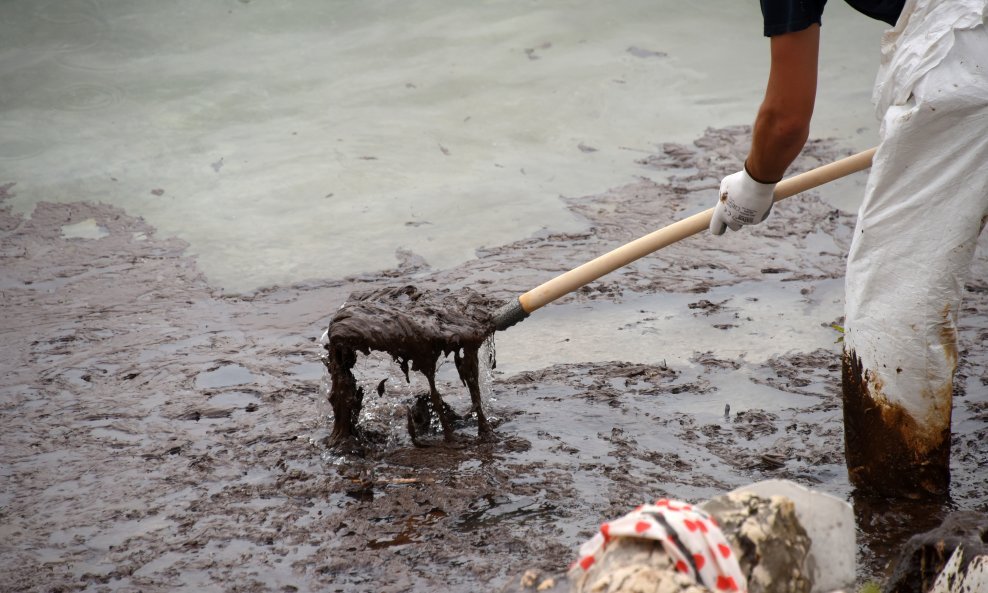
787	16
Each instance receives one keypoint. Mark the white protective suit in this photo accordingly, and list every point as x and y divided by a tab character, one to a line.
925	205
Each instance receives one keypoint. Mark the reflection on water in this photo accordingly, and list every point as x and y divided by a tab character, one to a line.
309	139
884	526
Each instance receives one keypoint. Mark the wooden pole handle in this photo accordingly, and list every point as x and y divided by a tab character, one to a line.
569	281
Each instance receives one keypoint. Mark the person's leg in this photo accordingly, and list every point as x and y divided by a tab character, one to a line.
925	205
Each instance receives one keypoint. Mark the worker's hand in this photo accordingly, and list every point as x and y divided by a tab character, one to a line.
742	201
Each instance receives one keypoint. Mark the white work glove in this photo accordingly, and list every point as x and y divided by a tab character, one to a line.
742	201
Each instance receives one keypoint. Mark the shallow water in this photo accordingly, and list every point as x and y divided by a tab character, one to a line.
161	436
250	129
766	318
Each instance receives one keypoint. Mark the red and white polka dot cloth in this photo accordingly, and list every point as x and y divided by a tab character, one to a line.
689	536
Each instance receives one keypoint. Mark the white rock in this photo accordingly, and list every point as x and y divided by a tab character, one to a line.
829	521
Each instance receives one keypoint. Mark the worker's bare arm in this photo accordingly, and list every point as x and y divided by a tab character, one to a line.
783	122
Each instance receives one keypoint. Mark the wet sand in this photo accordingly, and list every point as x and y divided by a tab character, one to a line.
160	436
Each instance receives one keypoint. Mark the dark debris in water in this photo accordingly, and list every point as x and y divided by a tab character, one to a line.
416	328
